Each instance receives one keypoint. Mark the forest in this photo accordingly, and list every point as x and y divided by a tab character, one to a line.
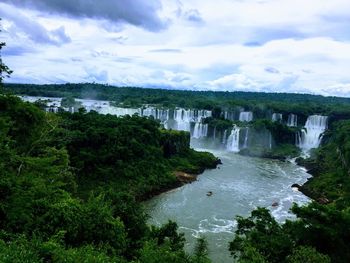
71	185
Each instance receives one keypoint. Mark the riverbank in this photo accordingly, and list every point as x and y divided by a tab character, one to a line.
182	178
308	189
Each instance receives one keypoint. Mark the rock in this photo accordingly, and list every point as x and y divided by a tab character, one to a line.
295	186
274	204
185	177
210	193
323	200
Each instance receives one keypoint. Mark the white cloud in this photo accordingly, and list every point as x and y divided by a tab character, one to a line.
271	45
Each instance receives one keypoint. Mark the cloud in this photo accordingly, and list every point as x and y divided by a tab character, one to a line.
31	28
236	81
272	70
136	12
270	45
17	51
193	15
93	74
243	82
253	44
166	50
341	89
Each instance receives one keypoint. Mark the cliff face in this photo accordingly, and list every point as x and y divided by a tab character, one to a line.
174	142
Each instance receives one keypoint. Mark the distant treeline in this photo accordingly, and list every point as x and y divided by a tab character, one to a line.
135	97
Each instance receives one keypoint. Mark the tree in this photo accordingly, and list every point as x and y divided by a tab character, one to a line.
4	70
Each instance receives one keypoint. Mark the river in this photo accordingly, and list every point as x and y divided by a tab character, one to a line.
239	185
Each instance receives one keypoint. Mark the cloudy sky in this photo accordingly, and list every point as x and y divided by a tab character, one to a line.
249	45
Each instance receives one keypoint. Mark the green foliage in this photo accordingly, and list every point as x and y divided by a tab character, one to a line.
154	253
261	232
174	142
307	255
5	71
319	234
201	251
70	102
70	185
324	227
330	167
18	251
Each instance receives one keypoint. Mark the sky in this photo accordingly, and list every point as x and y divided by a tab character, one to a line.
228	45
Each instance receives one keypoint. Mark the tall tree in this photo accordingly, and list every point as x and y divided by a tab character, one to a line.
5	71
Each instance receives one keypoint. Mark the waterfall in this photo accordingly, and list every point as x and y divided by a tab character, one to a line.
310	137
119	111
246	116
214	133
245	145
182	118
292	120
148	112
224	137
229	115
233	140
277	117
162	115
200	130
177	119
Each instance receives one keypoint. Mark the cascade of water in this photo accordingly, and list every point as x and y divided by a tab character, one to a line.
150	111
184	118
233	140
181	117
224	137
310	137
229	115
292	120
200	130
246	116
270	140
277	117
162	115
214	133
245	145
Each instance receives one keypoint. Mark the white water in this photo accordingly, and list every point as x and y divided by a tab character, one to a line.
239	186
292	120
277	117
245	145
233	140
200	130
312	133
224	137
246	116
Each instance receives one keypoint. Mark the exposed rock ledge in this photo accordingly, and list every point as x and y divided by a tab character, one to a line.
185	177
